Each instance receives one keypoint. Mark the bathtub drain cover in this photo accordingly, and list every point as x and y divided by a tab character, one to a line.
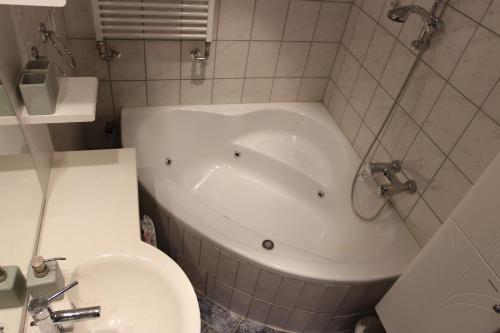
268	244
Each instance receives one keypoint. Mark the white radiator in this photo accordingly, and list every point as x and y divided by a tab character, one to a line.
160	19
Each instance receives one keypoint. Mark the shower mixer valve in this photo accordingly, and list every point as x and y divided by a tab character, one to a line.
394	186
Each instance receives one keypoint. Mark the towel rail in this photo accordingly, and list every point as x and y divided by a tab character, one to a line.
163	20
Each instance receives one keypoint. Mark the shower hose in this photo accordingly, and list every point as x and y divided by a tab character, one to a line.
375	140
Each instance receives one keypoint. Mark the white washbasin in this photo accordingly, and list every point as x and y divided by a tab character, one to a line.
144	292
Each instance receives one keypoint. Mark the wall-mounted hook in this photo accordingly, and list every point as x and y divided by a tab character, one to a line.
106	54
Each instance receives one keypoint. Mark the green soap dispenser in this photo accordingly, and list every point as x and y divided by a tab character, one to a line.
45	277
12	287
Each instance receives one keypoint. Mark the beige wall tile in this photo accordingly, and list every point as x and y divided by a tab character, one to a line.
292	59
361	36
262	58
348	73
478	146
492	17
491	104
235	19
320	60
446	189
422	161
399	134
449	117
285	90
337	105
337	64
422	92
131	64
331	21
363	140
227	91
378	109
164	92
363	91
397	69
163	59
422	222
257	90
231	59
478	70
312	89
128	94
350	123
379	52
269	21
350	24
472	8
301	20
196	91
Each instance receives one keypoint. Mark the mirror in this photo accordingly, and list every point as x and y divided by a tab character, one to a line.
21	192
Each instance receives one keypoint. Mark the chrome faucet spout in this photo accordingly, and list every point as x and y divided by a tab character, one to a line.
48	321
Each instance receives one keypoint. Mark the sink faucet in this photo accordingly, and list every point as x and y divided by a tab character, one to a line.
48	321
394	186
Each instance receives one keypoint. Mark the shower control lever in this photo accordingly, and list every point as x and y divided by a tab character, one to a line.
394	186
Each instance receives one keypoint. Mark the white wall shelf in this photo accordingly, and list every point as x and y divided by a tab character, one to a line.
45	3
76	102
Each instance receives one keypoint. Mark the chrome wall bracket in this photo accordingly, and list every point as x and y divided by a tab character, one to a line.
197	56
106	54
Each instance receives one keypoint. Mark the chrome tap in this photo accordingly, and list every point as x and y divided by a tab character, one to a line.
394	186
432	23
48	321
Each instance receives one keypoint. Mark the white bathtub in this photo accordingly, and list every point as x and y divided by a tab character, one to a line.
288	153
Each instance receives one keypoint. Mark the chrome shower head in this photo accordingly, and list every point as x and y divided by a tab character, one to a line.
431	22
400	14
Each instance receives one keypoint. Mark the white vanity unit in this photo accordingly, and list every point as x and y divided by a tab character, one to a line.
453	286
92	219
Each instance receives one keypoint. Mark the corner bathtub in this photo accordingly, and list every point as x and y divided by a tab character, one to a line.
224	178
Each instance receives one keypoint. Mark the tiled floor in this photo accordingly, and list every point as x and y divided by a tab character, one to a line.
216	319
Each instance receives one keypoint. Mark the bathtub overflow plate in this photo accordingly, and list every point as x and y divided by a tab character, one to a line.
268	244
